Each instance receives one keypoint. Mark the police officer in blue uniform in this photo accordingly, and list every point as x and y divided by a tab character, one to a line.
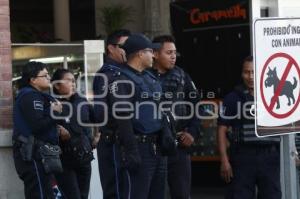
106	148
177	87
148	179
252	162
137	124
33	124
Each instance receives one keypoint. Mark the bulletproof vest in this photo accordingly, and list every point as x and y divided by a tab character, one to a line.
174	83
245	133
146	89
20	125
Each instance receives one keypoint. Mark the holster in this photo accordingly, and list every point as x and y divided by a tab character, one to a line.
167	139
25	146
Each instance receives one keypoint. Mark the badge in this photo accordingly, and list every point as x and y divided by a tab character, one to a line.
38	105
113	87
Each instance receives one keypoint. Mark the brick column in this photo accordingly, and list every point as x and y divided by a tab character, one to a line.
5	68
10	185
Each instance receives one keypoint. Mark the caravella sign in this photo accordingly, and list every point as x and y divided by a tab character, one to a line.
234	12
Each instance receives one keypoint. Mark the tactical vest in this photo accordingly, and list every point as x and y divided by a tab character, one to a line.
174	82
245	133
20	125
146	88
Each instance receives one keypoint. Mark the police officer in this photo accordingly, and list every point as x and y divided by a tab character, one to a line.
177	87
137	124
106	149
76	147
33	124
252	161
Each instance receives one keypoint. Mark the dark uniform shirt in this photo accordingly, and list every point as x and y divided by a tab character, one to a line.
236	113
110	92
173	82
103	88
77	122
231	109
76	115
35	110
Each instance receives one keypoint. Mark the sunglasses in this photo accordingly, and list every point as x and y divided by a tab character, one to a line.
118	45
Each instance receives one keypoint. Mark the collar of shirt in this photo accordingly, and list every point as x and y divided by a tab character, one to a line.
134	70
110	61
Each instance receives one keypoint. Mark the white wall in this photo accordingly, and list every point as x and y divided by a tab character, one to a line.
271	4
289	8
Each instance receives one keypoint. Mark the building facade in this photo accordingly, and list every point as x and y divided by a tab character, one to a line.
10	185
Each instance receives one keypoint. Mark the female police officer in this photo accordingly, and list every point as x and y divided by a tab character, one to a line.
77	154
32	125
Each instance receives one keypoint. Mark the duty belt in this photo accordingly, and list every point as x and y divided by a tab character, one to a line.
147	138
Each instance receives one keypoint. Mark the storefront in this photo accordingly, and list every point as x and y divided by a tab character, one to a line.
208	38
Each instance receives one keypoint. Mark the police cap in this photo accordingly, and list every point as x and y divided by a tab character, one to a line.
137	42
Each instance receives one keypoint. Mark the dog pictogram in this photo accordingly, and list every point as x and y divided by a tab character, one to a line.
287	90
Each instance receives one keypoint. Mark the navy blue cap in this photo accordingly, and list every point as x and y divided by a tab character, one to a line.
137	42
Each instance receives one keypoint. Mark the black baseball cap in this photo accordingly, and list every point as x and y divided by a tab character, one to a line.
137	42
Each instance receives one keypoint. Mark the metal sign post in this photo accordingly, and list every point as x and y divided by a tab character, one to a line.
289	183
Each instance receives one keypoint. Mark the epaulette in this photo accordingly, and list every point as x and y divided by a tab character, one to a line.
180	72
116	71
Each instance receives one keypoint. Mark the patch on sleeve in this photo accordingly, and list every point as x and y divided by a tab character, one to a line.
113	87
38	105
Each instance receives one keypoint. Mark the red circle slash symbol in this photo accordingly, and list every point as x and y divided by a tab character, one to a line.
282	81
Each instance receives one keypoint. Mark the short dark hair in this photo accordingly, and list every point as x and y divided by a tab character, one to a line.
30	70
114	37
59	75
163	38
248	59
